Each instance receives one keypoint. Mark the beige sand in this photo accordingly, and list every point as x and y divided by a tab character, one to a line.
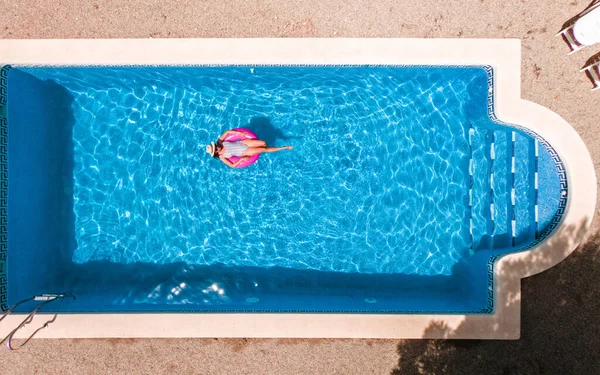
560	333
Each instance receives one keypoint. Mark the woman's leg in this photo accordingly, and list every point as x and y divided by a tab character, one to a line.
254	143
259	150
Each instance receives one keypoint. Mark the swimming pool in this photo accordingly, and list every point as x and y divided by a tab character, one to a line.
376	193
401	193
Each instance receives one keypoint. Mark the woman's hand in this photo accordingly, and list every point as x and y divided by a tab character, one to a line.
233	165
243	158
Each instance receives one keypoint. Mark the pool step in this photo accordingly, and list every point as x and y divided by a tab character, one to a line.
552	187
480	168
525	189
501	208
503	189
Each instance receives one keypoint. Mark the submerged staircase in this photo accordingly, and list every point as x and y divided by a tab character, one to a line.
504	188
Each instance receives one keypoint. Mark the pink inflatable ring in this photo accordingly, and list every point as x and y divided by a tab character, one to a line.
248	134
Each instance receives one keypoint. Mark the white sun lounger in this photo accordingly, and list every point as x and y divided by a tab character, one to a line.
593	70
585	31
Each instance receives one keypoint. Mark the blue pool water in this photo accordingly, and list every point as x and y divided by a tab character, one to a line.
371	205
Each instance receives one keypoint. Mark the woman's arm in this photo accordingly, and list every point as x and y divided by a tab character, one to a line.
227	132
230	164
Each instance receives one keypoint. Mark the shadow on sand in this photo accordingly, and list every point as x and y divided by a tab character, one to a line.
560	333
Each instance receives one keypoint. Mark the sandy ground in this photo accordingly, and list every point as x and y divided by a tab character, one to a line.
560	331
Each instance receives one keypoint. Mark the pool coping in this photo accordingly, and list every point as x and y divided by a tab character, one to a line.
503	55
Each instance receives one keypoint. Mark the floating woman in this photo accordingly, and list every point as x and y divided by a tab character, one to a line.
239	148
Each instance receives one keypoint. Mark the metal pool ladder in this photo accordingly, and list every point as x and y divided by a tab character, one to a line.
44	299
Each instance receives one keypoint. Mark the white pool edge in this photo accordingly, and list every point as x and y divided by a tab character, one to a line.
504	55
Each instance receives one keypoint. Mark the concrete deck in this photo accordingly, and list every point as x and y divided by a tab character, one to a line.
559	330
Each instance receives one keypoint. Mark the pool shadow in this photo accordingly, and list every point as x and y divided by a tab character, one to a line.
266	131
41	164
117	287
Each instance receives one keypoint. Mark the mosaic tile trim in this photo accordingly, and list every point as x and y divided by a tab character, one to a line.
249	66
564	185
270	311
3	186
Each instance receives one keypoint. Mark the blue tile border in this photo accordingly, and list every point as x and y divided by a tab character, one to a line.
3	186
564	186
490	110
249	66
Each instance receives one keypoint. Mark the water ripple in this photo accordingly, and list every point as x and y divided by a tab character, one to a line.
376	182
